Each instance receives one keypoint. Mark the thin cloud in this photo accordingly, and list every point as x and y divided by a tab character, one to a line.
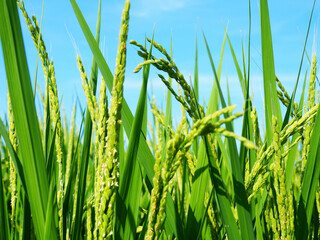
147	8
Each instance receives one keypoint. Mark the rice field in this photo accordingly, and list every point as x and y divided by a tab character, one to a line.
198	179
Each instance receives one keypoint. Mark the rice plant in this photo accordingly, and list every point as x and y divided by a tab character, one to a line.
194	180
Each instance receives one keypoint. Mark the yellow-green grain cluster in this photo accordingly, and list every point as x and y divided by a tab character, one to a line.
284	205
110	166
49	73
13	173
176	150
189	101
70	147
310	104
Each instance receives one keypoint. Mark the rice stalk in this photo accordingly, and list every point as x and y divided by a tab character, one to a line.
100	151
54	105
280	185
70	149
310	104
13	173
111	173
91	99
189	101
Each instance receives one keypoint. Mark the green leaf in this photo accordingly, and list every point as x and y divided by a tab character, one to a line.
130	179
195	145
272	106
290	167
26	217
201	177
240	75
289	108
50	213
26	120
243	207
309	184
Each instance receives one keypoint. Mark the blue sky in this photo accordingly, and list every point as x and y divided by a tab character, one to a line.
181	18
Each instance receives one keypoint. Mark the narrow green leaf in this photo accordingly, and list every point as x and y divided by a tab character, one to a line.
248	107
26	120
272	106
26	217
196	92
244	62
227	216
73	173
130	179
50	214
243	208
196	74
199	185
225	157
173	221
204	217
236	63
290	167
309	184
249	43
51	164
258	224
289	108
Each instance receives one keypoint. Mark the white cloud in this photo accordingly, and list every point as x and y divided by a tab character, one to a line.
147	8
170	5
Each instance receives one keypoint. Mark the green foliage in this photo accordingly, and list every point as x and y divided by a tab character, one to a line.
190	181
